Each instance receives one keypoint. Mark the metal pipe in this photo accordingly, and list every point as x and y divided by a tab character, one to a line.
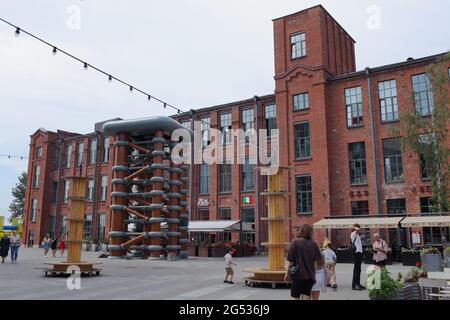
374	153
258	210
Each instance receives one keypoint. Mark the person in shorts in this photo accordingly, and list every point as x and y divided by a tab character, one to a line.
304	253
228	266
330	264
380	251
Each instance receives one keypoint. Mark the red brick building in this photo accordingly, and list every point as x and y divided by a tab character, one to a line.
335	132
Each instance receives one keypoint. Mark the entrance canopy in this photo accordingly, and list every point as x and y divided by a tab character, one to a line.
347	223
219	226
426	221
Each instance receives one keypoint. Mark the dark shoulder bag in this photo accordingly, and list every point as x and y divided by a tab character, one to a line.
294	267
352	246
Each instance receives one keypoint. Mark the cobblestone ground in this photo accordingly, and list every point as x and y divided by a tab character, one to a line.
195	278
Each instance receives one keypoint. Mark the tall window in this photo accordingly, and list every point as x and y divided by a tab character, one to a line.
426	142
80	153
247	175
393	165
298	45
303	189
90	190
357	161
87	230
225	177
93	152
248	215
66	190
106	142
54	194
423	95
360	208
425	205
104	188
34	204
225	128
68	156
204	178
206	128
37	175
39	152
353	103
63	228
52	225
57	156
387	92
301	101
396	206
432	235
302	146
271	118
224	214
101	226
248	122
203	214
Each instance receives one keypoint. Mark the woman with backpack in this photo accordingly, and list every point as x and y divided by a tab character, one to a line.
380	251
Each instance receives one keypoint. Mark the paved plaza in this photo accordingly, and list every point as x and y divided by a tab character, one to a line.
193	279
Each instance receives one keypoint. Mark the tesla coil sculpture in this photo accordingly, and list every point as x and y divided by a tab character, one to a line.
149	190
274	273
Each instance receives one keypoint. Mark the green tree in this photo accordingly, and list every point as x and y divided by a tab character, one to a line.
428	136
16	207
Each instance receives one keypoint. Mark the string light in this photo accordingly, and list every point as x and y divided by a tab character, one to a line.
10	156
55	50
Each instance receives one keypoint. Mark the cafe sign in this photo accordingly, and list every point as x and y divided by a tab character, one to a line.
203	202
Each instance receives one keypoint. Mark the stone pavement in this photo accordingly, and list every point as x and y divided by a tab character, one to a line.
195	278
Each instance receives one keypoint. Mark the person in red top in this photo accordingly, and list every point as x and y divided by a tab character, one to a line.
62	245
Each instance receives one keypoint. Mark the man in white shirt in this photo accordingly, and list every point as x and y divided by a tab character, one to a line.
356	245
228	266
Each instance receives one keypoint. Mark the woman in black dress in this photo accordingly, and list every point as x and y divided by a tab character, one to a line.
4	247
54	246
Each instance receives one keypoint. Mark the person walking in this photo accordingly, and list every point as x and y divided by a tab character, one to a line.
46	244
380	251
62	245
4	247
322	278
356	247
228	266
14	245
54	246
330	265
302	257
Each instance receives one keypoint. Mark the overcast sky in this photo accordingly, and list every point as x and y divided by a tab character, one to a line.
192	53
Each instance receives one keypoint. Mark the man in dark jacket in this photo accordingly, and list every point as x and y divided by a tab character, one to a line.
4	247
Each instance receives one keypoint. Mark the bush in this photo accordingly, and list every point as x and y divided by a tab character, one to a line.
382	286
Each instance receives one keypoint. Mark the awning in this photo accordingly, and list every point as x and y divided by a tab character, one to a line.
217	226
347	223
426	221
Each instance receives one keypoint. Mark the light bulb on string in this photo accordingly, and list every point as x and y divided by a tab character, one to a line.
54	51
149	97
17	33
110	78
85	66
165	105
131	89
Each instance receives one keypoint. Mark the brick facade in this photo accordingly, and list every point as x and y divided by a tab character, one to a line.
324	70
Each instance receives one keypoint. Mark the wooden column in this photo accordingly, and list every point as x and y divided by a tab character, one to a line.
76	218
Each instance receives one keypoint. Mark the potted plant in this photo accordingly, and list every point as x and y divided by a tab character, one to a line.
96	244
410	257
344	255
431	259
368	255
382	286
447	257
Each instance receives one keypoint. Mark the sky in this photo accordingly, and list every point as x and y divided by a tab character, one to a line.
190	53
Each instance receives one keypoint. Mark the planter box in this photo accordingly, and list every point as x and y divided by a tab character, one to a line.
410	258
218	252
411	291
192	251
447	260
368	257
203	251
344	256
432	262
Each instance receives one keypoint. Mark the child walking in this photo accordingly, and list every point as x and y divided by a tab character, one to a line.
322	279
330	265
228	266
